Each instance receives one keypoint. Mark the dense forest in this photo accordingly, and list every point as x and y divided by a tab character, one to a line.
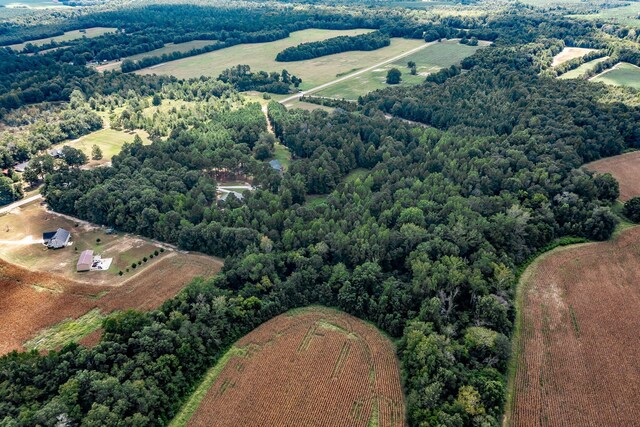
426	244
368	41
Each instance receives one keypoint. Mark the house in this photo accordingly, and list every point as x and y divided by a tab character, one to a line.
237	195
20	167
85	261
56	239
55	153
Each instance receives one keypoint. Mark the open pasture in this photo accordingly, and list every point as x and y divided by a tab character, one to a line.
292	368
582	69
622	74
69	35
167	49
626	14
576	348
40	288
110	142
569	53
261	56
429	60
625	168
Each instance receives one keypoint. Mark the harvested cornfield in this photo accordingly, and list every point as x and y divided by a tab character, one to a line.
312	367
625	168
577	347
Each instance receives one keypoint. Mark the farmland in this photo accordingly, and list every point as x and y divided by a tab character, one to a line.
33	276
67	36
165	50
622	74
291	369
580	309
625	168
261	56
582	69
569	53
626	14
428	60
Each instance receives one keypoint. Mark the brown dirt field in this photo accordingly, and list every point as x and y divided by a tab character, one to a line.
625	168
316	367
32	301
577	356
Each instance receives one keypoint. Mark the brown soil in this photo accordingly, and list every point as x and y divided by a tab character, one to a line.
578	360
625	168
318	367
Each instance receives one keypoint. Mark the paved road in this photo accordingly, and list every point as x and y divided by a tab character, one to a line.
349	76
19	203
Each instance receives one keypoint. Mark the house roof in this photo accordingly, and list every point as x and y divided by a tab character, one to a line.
86	257
276	164
238	196
21	166
60	239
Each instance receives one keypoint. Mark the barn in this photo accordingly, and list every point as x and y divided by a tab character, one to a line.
85	261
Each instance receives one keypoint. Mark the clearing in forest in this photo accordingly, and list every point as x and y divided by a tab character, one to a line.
40	287
625	168
110	142
288	371
428	60
582	69
576	343
69	35
569	53
621	74
261	56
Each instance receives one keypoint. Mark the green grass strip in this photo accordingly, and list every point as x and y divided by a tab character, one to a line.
210	377
67	331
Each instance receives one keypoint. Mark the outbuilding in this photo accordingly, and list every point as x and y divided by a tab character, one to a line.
85	261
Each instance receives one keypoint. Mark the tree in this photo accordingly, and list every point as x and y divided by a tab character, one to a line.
9	191
156	101
632	209
73	156
96	152
30	175
393	76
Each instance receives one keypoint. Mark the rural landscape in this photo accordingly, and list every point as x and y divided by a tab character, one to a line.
330	213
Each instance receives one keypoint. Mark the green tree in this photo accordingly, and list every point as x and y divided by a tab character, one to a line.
156	101
632	209
96	152
393	76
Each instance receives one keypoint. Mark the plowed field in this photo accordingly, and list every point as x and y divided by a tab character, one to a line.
625	168
313	367
578	361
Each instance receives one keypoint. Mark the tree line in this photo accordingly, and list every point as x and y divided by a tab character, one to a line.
368	41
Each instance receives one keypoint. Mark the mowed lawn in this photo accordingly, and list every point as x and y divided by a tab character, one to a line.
110	142
623	74
165	50
428	60
261	56
69	35
582	69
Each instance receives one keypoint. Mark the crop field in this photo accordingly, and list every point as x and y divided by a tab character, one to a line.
582	69
569	53
166	49
110	142
429	60
293	367
42	295
625	168
69	35
626	14
578	341
261	56
622	74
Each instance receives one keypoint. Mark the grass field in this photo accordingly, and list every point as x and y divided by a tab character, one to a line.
582	69
569	53
69	35
576	353
110	142
625	168
627	14
622	74
261	56
33	276
293	367
166	49
428	60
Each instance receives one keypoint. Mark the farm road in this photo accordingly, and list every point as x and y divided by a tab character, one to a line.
19	203
357	73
